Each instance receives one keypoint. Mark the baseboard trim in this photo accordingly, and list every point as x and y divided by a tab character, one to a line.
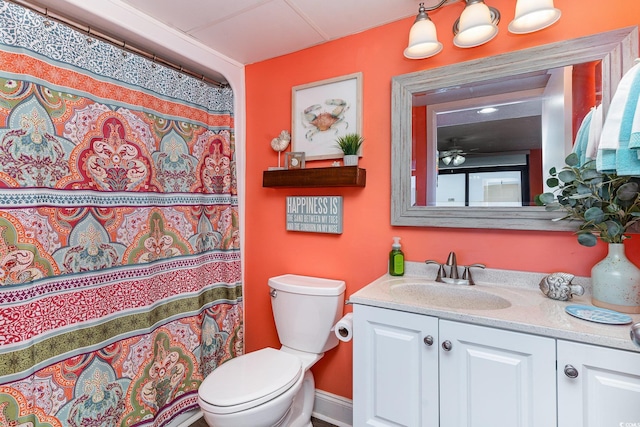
334	409
186	419
329	407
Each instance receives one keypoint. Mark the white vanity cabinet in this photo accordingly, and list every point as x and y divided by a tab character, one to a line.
597	386
431	354
492	377
395	368
414	370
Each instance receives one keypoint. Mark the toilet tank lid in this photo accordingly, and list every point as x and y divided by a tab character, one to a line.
307	285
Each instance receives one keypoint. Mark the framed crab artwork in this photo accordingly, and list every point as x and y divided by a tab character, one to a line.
323	111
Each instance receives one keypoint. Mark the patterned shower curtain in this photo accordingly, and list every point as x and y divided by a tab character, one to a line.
120	279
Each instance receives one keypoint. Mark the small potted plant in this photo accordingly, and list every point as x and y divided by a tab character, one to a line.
350	145
607	207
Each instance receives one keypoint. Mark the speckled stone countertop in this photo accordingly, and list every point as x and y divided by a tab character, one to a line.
530	311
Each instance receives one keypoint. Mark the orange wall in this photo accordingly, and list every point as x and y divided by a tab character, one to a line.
359	254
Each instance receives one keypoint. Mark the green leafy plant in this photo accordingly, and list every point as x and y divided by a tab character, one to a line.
607	205
350	143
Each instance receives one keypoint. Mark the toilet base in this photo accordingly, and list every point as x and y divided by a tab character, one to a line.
303	402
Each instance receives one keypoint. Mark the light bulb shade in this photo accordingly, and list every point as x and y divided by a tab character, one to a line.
458	160
533	15
477	25
446	160
423	40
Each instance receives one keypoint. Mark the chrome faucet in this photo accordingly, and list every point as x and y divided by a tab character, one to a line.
452	263
453	275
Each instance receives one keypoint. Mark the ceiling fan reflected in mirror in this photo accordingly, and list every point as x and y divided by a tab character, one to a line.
455	155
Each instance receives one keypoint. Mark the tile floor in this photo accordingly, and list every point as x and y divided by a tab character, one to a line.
316	423
319	423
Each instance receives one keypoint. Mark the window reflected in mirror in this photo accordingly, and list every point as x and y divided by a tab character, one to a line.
491	143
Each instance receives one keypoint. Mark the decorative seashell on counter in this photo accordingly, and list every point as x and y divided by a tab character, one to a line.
558	286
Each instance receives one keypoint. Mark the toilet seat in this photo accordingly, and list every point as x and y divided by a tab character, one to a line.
250	380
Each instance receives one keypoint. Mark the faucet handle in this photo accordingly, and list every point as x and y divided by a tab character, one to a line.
440	269
466	275
477	265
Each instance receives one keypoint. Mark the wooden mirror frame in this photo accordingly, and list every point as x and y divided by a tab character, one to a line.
616	49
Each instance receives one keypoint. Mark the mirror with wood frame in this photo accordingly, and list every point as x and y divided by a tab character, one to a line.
454	167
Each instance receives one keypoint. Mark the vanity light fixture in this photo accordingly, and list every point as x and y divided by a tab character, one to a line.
477	25
423	40
533	15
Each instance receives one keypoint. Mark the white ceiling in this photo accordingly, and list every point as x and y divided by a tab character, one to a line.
250	31
244	31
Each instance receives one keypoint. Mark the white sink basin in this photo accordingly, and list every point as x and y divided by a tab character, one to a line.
448	295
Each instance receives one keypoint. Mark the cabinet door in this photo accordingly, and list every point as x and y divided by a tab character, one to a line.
606	390
395	374
492	377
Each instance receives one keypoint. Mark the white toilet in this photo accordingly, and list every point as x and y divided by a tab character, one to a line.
269	387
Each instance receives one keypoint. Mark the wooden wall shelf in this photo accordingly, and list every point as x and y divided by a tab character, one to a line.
334	176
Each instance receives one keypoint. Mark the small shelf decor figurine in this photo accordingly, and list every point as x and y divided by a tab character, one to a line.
279	144
294	160
350	145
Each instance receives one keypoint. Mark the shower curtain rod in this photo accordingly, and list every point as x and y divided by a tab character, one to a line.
118	43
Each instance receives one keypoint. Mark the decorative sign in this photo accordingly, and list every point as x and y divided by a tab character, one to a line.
315	214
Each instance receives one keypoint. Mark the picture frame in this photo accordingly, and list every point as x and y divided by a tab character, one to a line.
323	111
294	160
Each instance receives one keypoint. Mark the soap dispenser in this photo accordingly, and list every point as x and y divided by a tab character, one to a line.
396	259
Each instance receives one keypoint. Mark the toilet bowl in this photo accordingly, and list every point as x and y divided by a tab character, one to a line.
258	390
269	387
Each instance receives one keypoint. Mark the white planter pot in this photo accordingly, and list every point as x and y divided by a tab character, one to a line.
351	160
616	282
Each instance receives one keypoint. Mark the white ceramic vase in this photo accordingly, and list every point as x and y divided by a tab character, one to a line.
615	282
350	160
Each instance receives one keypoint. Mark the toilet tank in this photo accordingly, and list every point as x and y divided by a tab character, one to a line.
305	309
